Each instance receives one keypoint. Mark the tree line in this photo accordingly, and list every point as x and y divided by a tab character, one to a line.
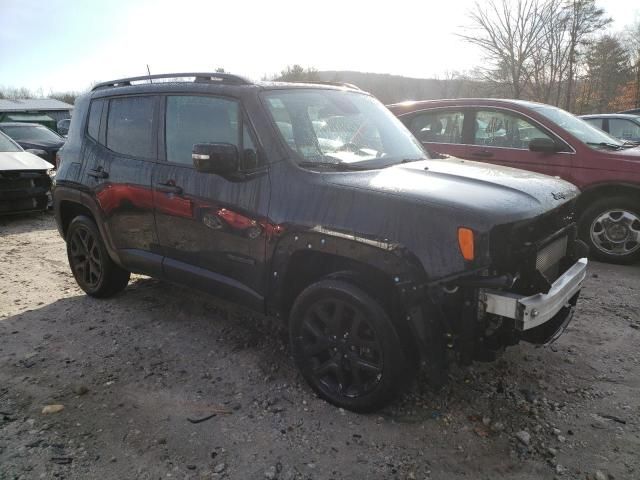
557	52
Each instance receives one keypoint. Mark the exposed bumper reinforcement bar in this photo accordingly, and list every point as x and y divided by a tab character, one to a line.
531	312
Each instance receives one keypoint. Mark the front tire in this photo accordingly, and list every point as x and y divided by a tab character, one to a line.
611	228
346	346
92	267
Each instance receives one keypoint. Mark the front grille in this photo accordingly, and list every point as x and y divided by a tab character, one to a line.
548	258
23	190
513	245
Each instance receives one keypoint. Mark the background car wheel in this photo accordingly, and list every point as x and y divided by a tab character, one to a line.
346	346
611	228
90	263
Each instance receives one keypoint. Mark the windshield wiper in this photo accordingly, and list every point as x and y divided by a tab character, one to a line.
605	144
336	166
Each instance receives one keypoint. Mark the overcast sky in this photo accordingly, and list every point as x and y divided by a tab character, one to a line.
68	44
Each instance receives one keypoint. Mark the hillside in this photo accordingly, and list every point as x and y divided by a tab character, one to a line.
396	88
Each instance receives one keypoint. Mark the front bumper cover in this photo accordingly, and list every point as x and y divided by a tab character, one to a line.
533	311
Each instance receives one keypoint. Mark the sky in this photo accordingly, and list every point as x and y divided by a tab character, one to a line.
62	45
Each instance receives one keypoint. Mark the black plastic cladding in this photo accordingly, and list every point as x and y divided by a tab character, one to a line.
401	220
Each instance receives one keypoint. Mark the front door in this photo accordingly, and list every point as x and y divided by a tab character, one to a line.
212	229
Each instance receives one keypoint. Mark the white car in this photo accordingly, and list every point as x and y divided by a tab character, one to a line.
25	179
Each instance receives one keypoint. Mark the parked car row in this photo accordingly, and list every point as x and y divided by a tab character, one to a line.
25	179
315	204
546	139
37	138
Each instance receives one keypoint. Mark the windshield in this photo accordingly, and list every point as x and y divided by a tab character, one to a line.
342	128
6	145
577	127
31	132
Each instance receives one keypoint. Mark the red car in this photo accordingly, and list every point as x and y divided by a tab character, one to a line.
545	139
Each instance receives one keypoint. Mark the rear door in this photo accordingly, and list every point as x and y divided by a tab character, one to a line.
439	130
120	153
212	229
502	137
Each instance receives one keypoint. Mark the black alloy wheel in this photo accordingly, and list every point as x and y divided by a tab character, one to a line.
343	348
94	270
84	257
346	346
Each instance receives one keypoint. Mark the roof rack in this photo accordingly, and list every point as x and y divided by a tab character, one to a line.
199	77
323	82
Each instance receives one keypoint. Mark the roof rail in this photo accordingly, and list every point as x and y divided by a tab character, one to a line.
199	77
323	82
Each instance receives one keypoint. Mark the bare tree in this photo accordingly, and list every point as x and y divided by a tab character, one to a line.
67	97
585	18
549	63
509	33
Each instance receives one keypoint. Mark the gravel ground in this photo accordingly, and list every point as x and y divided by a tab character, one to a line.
136	372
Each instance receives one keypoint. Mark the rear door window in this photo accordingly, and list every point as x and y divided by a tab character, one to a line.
494	128
130	126
438	126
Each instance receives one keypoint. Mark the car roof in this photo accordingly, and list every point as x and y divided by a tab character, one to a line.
205	82
629	116
415	105
20	124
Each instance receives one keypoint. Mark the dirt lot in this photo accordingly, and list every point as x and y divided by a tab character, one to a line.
134	371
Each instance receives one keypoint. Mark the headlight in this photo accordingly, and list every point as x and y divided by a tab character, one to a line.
52	173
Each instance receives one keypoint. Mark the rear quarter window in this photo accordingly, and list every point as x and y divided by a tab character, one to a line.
95	114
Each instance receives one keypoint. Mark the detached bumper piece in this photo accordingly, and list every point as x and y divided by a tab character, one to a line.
23	191
542	317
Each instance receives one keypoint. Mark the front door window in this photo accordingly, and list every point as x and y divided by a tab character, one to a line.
494	128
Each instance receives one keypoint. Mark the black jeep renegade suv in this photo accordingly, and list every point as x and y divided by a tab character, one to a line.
313	203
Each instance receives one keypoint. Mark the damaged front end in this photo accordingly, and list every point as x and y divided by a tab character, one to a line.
528	293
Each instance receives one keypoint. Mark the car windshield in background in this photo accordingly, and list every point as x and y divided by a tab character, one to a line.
580	129
336	127
31	132
6	145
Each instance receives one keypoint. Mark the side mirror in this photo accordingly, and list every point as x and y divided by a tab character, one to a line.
220	158
545	145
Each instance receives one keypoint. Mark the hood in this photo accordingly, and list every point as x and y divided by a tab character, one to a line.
22	161
41	144
492	193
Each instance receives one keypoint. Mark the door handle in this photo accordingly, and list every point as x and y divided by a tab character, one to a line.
98	173
482	154
168	188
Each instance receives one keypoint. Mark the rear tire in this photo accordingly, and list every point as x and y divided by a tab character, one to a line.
346	346
94	270
611	229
